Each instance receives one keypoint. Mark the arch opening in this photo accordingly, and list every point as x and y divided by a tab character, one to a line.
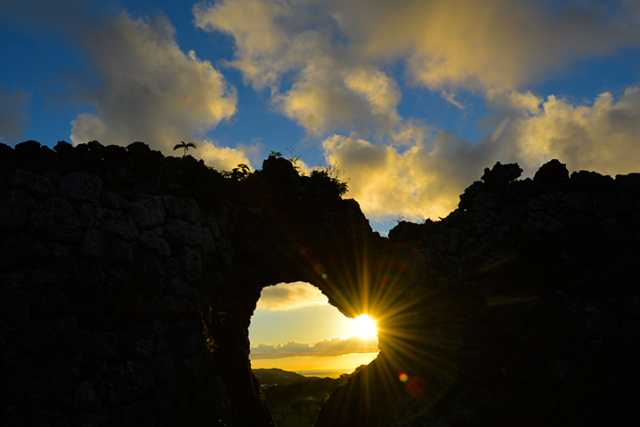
302	348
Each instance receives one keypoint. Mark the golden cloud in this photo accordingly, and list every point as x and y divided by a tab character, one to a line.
334	51
225	158
602	136
290	296
423	178
484	44
426	175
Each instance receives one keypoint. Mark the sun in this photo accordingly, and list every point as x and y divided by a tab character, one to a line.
364	326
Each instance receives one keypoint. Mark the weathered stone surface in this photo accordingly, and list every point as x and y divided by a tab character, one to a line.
191	261
19	250
120	177
207	240
115	201
182	233
165	369
118	223
156	244
36	185
85	398
184	208
93	344
173	403
148	212
80	187
98	244
86	212
15	209
56	220
126	382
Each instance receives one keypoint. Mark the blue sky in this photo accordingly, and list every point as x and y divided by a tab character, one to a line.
410	100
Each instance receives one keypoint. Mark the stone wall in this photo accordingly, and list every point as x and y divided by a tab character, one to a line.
521	308
128	281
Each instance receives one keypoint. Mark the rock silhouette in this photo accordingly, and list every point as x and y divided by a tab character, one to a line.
128	280
521	308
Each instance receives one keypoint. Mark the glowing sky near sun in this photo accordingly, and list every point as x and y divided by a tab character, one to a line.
295	328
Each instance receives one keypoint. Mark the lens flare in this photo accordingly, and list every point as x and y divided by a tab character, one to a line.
403	377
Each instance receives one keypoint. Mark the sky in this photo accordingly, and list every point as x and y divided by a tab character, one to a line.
294	328
407	100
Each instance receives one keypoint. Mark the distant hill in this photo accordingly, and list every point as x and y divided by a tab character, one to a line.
295	400
277	376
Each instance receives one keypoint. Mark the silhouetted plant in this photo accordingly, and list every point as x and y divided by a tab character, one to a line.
185	146
294	160
238	173
331	174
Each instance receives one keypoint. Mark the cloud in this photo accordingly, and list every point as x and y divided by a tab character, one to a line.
290	296
484	44
149	89
13	114
348	99
290	48
423	178
327	62
263	47
601	136
226	158
331	64
325	348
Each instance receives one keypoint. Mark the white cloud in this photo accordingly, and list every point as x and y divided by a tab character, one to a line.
150	90
290	296
325	348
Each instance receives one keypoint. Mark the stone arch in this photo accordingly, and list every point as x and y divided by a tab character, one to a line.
129	279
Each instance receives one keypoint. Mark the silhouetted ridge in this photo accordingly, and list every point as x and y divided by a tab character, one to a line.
128	280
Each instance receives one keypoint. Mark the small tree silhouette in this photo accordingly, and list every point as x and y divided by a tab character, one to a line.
186	146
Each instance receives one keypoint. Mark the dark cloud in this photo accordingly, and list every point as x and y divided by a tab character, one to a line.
13	114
